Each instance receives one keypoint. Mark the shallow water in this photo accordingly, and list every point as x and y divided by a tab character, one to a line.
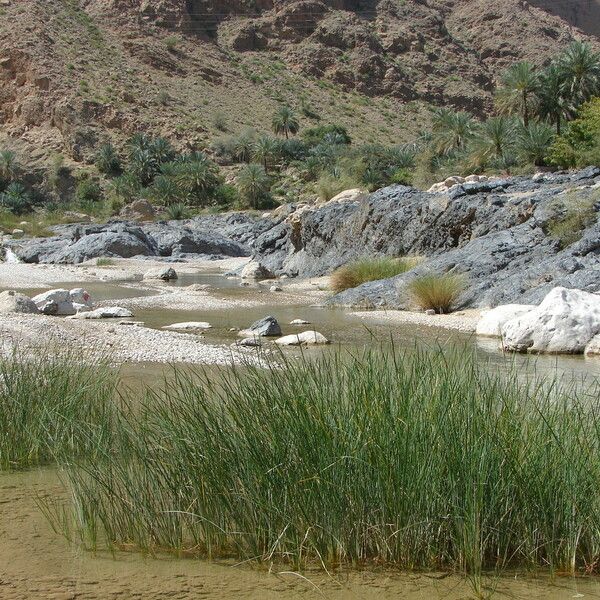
36	563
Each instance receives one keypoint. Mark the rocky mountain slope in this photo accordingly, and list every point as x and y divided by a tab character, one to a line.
76	72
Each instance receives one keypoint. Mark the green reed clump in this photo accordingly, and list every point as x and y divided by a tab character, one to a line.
420	460
53	406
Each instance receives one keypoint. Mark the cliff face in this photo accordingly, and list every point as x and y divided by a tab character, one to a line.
76	72
582	14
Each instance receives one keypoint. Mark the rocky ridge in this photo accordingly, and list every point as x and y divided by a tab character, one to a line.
75	73
499	233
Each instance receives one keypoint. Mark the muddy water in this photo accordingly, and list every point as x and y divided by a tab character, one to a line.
35	563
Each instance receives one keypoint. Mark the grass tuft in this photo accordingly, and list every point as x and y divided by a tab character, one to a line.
437	292
104	261
370	269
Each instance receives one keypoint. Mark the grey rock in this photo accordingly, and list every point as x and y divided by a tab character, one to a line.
266	327
161	273
14	302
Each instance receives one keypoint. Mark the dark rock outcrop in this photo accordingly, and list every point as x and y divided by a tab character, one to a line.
215	236
499	235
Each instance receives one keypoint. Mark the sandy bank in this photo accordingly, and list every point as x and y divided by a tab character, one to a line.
464	321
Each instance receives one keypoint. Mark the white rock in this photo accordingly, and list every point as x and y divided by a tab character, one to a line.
189	325
80	296
13	302
276	288
106	312
254	270
565	322
161	273
55	302
299	322
452	181
353	195
249	342
593	348
491	321
302	339
18	233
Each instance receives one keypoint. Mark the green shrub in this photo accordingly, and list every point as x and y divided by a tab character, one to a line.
226	196
316	135
88	190
171	43
178	212
220	121
578	214
437	292
104	262
126	188
581	139
16	199
370	269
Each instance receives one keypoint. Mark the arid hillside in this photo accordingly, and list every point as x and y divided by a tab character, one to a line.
76	72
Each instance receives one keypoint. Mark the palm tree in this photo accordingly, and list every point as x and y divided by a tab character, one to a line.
517	91
533	143
107	160
8	165
265	150
198	178
580	66
552	95
285	122
451	130
243	147
495	139
253	184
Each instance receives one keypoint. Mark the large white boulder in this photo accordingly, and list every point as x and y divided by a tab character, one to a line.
13	302
306	338
565	322
55	302
60	302
491	321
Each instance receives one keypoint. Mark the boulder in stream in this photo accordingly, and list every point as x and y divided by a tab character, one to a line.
306	338
266	327
565	322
